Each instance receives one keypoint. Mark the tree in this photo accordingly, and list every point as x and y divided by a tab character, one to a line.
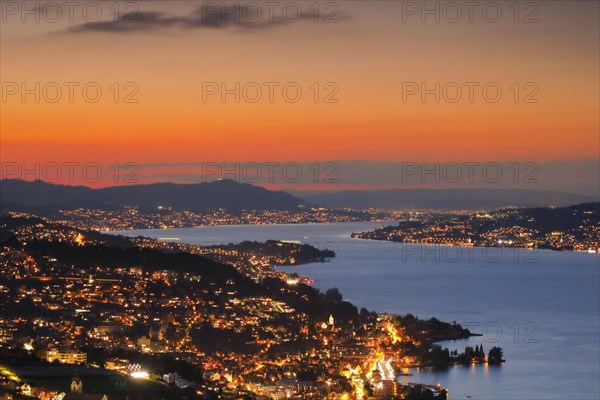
364	315
469	352
427	394
333	295
495	355
439	357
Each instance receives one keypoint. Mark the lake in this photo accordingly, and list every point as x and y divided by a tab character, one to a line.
542	307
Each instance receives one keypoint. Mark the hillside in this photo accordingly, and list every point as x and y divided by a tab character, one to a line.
225	194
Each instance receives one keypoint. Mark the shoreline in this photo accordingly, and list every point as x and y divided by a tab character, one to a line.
478	246
352	235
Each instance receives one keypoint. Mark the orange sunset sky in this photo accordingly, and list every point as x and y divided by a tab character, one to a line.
373	48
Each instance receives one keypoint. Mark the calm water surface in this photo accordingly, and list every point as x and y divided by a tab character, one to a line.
541	307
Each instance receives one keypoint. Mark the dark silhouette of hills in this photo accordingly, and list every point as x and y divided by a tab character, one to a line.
42	198
119	251
443	199
233	196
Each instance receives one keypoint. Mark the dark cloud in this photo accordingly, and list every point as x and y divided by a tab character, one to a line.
147	21
141	21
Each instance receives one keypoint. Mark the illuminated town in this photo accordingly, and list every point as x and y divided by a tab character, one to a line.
123	316
575	228
510	227
299	200
126	218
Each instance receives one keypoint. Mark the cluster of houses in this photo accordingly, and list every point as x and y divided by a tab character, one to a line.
41	393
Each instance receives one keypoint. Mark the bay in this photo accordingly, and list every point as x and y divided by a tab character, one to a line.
542	307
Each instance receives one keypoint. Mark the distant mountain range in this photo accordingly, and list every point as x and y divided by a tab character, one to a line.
41	197
442	199
233	196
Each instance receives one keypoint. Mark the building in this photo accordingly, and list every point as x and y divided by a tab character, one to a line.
144	343
77	392
294	387
76	385
117	365
5	336
66	356
148	345
27	390
173	378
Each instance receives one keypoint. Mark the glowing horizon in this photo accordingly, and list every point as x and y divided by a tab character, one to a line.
366	67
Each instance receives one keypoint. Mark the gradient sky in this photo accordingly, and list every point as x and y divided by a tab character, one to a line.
368	54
